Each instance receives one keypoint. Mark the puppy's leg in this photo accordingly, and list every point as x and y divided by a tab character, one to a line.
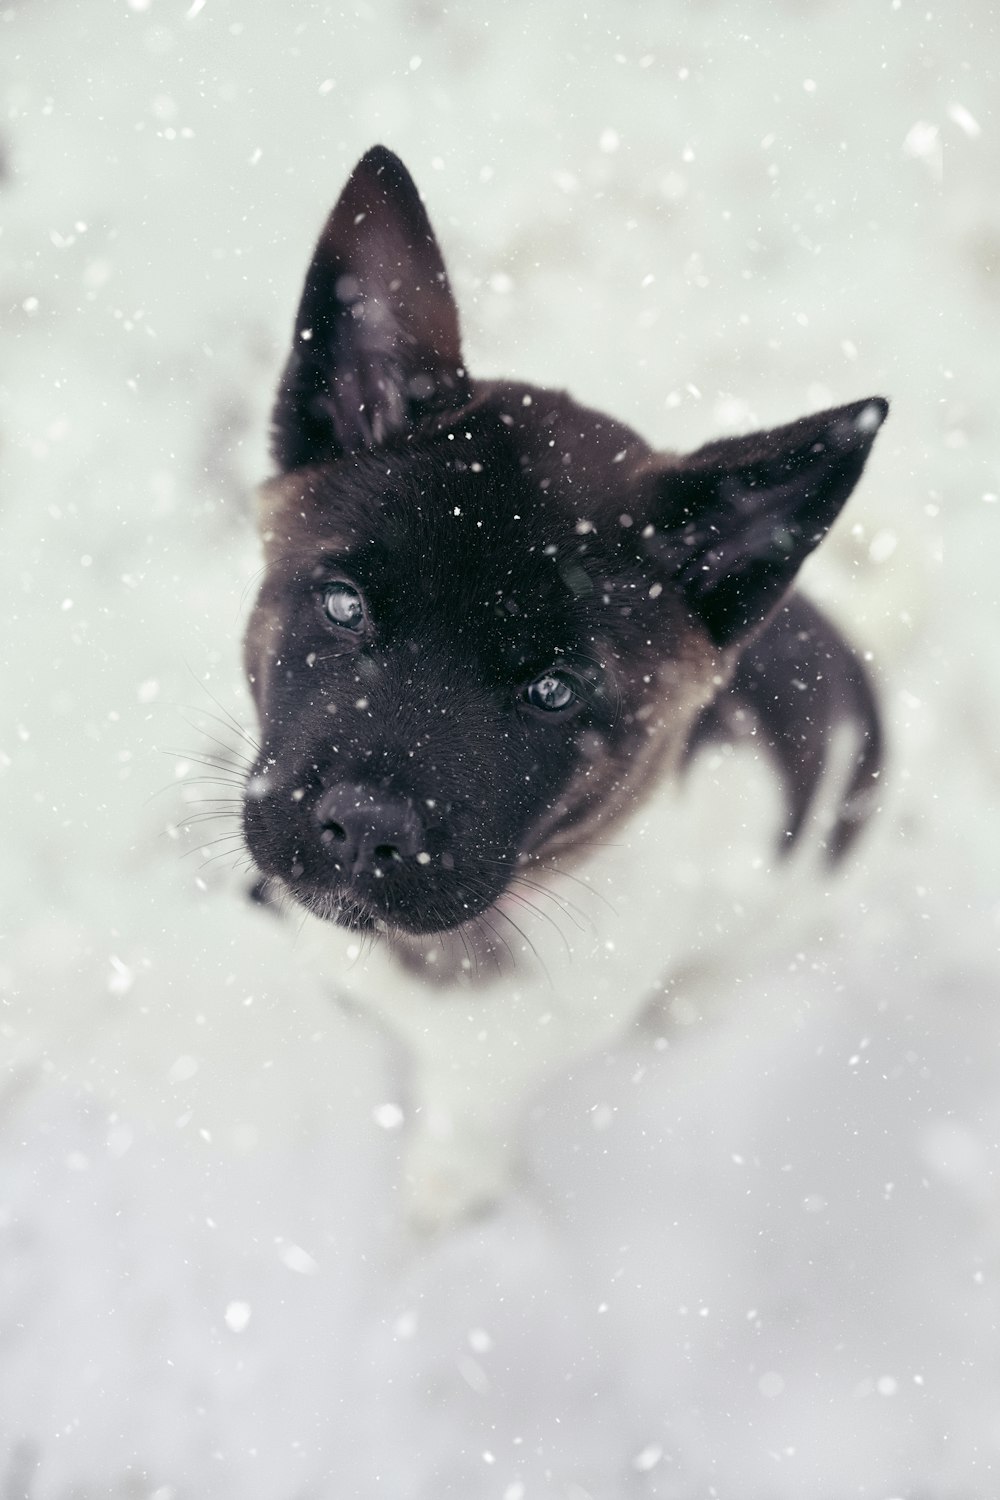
477	1060
479	1051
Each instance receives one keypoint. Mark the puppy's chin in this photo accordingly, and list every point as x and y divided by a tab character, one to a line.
333	906
401	919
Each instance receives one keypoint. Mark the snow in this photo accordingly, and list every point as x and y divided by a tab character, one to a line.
757	1250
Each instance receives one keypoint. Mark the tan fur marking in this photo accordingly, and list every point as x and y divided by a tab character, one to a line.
613	787
288	515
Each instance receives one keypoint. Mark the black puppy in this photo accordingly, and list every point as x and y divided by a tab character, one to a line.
492	625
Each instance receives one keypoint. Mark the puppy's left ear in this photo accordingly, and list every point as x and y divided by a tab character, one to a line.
735	521
376	348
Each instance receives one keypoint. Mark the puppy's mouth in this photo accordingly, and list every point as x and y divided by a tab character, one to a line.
396	906
369	862
334	906
356	914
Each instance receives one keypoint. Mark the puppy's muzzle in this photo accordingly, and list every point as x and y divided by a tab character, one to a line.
367	834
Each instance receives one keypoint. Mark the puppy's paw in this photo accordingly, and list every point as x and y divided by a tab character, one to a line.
450	1178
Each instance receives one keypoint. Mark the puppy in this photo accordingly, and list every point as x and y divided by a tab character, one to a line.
493	628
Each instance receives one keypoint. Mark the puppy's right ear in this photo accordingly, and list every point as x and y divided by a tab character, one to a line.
376	350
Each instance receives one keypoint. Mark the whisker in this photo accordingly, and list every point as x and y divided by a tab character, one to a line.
239	861
229	753
526	940
259	573
581	921
298	931
593	891
233	721
497	939
545	917
205	817
230	725
471	954
213	801
234	838
174	786
206	758
232	791
514	873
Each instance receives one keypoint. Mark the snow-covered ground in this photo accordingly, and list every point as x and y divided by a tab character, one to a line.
757	1253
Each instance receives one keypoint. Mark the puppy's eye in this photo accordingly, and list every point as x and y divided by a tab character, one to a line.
342	604
551	692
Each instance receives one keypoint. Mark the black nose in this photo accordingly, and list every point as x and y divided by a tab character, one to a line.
367	832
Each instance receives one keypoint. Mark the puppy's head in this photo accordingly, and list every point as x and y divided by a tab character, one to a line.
489	617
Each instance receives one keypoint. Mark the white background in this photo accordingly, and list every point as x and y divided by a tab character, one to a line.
757	1252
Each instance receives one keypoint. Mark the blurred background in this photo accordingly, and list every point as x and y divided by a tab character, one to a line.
758	1250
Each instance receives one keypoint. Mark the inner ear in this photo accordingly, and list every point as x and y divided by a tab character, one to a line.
376	350
735	521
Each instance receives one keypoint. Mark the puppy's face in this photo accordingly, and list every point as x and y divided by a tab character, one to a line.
450	678
489	618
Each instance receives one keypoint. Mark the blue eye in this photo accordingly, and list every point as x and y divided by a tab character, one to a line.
551	692
343	605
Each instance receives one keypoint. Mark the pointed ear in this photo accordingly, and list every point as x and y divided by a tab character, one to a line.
736	520
376	348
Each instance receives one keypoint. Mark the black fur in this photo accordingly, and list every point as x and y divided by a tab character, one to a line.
792	688
496	537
